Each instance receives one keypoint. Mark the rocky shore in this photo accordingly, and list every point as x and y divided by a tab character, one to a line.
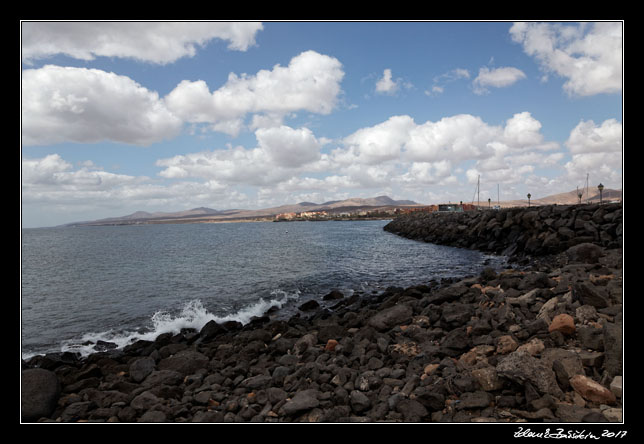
539	342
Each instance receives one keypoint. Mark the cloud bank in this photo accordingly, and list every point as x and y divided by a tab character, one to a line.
153	42
587	55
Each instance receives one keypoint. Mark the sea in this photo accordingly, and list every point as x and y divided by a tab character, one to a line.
120	284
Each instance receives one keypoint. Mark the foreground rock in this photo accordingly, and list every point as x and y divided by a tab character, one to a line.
514	345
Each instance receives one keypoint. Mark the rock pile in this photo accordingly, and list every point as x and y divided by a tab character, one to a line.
535	231
539	345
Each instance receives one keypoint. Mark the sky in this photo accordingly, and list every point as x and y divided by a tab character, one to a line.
118	117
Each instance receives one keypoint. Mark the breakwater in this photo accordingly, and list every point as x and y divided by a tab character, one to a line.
534	231
541	343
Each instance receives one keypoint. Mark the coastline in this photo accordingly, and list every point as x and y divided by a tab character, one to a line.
537	342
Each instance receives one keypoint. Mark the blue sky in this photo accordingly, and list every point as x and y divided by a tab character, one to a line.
167	116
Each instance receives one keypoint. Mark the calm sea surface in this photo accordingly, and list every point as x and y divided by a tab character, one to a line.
121	284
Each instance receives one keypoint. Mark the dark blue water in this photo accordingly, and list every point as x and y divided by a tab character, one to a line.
121	284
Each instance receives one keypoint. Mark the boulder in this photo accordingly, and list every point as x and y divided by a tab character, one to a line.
302	401
359	401
586	253
333	295
40	390
589	294
391	317
185	362
140	368
563	323
521	367
412	410
309	305
566	367
211	330
487	378
506	344
591	390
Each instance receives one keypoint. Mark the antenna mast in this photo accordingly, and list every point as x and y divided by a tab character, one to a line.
477	192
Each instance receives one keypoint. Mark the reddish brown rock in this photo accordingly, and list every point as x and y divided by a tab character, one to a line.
591	390
563	323
330	345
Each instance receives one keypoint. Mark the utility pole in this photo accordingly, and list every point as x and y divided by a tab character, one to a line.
498	196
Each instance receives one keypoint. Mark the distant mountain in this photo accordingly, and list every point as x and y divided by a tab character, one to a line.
351	204
203	213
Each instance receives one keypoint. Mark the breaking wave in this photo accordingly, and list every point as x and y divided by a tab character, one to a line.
193	315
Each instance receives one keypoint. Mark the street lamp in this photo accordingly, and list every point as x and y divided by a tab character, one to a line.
529	196
489	200
600	187
579	194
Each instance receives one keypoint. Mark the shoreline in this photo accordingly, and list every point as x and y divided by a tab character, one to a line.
538	343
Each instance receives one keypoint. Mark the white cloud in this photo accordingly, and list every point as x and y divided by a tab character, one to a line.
236	165
380	142
155	42
453	138
596	150
53	179
497	78
89	105
587	137
289	147
523	130
280	154
311	82
385	85
588	55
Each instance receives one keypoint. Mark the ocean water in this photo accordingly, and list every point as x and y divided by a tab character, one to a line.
124	283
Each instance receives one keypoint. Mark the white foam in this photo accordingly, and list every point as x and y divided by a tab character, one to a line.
192	315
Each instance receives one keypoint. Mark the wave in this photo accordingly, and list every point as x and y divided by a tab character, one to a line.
193	315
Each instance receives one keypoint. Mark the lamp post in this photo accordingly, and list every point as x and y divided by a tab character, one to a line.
529	196
489	201
579	194
600	187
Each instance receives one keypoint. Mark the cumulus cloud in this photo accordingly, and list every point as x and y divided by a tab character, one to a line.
380	142
89	105
155	42
289	147
310	82
385	85
279	155
596	149
587	137
413	155
496	78
587	55
458	137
